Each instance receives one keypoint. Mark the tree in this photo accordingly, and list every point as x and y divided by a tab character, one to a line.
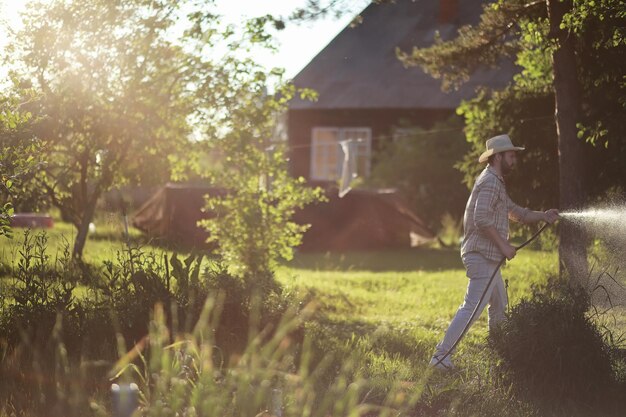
19	156
558	52
253	225
572	248
112	99
124	86
126	94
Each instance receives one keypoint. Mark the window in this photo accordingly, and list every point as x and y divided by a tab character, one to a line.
327	156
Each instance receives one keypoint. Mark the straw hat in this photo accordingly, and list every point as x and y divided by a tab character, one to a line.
497	144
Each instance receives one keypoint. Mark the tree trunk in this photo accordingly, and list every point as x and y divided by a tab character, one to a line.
83	228
573	242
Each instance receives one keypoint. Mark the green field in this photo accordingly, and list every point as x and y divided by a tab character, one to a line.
412	291
389	308
408	296
421	287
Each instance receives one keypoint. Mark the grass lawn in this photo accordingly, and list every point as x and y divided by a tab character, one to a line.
412	291
415	291
411	294
104	244
389	307
393	307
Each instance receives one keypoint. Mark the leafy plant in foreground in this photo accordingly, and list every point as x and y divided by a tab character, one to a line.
553	355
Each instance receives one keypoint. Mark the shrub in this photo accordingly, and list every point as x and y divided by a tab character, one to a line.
44	330
553	355
56	341
253	224
37	292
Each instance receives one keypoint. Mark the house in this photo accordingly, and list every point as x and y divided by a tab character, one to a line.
366	94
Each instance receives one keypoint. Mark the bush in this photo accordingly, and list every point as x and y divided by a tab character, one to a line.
552	354
64	324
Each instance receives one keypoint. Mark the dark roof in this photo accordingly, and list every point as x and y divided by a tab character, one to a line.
359	67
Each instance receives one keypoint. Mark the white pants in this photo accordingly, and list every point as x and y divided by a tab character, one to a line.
479	270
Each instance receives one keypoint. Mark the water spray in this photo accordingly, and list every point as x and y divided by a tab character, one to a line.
608	225
607	222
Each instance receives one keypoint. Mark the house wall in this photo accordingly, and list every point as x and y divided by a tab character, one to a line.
382	121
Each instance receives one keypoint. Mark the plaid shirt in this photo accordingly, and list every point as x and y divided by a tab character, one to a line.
488	205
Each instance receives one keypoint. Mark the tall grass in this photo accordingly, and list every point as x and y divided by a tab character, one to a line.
274	374
349	334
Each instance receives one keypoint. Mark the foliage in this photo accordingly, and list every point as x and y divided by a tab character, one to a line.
601	51
451	232
111	96
320	9
522	114
252	222
19	156
55	309
185	376
554	355
421	165
40	293
365	352
525	108
484	44
126	89
38	290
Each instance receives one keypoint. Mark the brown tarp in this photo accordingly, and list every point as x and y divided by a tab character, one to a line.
361	220
173	212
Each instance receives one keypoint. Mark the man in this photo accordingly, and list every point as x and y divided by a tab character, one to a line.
485	241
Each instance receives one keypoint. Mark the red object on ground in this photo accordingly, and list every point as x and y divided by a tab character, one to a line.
32	220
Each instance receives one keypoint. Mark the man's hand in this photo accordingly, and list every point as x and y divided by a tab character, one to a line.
508	251
551	215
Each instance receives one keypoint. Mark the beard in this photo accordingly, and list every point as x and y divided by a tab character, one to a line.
506	168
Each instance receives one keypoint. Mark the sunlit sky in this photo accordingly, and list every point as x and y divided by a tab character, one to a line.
297	44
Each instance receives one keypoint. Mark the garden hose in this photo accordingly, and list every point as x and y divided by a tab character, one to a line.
482	297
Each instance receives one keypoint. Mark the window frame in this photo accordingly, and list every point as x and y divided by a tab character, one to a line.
341	135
